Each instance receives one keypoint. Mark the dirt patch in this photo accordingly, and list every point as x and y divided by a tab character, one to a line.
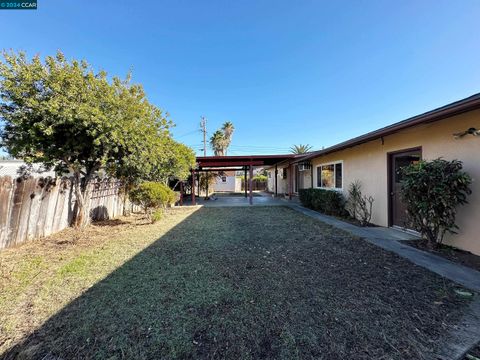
448	252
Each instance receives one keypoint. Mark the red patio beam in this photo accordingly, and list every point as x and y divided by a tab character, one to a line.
229	163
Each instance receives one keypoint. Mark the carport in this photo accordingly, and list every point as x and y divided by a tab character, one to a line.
236	163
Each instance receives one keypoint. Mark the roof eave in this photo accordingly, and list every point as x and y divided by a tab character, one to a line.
459	107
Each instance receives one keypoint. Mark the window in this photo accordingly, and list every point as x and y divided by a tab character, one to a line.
224	179
330	176
284	173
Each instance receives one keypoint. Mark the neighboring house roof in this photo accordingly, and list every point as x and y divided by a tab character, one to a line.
455	108
12	167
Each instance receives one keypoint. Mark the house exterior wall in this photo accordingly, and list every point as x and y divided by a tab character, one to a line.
307	179
230	185
282	184
368	163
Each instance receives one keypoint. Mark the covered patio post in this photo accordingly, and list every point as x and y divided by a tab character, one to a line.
193	186
245	181
206	185
276	179
290	181
250	184
198	187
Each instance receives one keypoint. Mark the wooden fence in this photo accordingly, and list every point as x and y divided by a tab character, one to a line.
257	185
36	207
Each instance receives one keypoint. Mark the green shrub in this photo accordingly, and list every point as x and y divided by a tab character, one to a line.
431	191
152	195
329	202
256	178
260	178
305	196
157	215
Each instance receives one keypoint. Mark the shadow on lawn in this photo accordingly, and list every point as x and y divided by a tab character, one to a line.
137	311
224	284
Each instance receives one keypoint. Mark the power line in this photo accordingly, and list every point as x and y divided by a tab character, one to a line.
261	146
188	133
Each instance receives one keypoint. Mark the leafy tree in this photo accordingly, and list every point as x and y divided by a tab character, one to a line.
161	160
432	190
300	149
63	115
173	160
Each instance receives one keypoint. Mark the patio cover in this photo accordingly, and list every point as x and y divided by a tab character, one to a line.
247	162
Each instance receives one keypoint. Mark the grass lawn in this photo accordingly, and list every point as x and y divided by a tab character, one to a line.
236	283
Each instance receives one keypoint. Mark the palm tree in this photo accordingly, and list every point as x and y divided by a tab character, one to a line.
221	139
217	142
227	129
300	149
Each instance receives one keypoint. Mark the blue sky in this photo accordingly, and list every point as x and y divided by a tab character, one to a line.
284	72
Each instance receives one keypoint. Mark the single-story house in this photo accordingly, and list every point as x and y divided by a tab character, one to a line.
279	183
450	132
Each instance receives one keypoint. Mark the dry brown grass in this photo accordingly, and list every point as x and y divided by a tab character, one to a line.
40	277
239	283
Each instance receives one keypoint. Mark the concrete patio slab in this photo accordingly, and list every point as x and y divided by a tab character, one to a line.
236	201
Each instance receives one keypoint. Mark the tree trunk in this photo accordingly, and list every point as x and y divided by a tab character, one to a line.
82	195
126	212
431	239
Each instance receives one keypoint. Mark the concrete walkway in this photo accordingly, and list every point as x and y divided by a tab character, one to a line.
260	199
388	239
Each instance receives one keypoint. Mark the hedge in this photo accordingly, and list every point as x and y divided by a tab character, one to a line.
329	202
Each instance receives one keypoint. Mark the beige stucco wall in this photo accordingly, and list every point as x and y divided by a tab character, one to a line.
368	163
230	184
282	184
307	179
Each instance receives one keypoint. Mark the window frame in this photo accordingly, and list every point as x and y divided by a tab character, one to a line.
334	163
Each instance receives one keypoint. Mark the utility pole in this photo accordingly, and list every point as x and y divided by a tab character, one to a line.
203	128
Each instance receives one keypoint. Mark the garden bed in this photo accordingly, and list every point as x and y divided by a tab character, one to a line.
465	258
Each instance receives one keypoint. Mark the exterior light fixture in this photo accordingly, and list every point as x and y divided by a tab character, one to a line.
471	131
